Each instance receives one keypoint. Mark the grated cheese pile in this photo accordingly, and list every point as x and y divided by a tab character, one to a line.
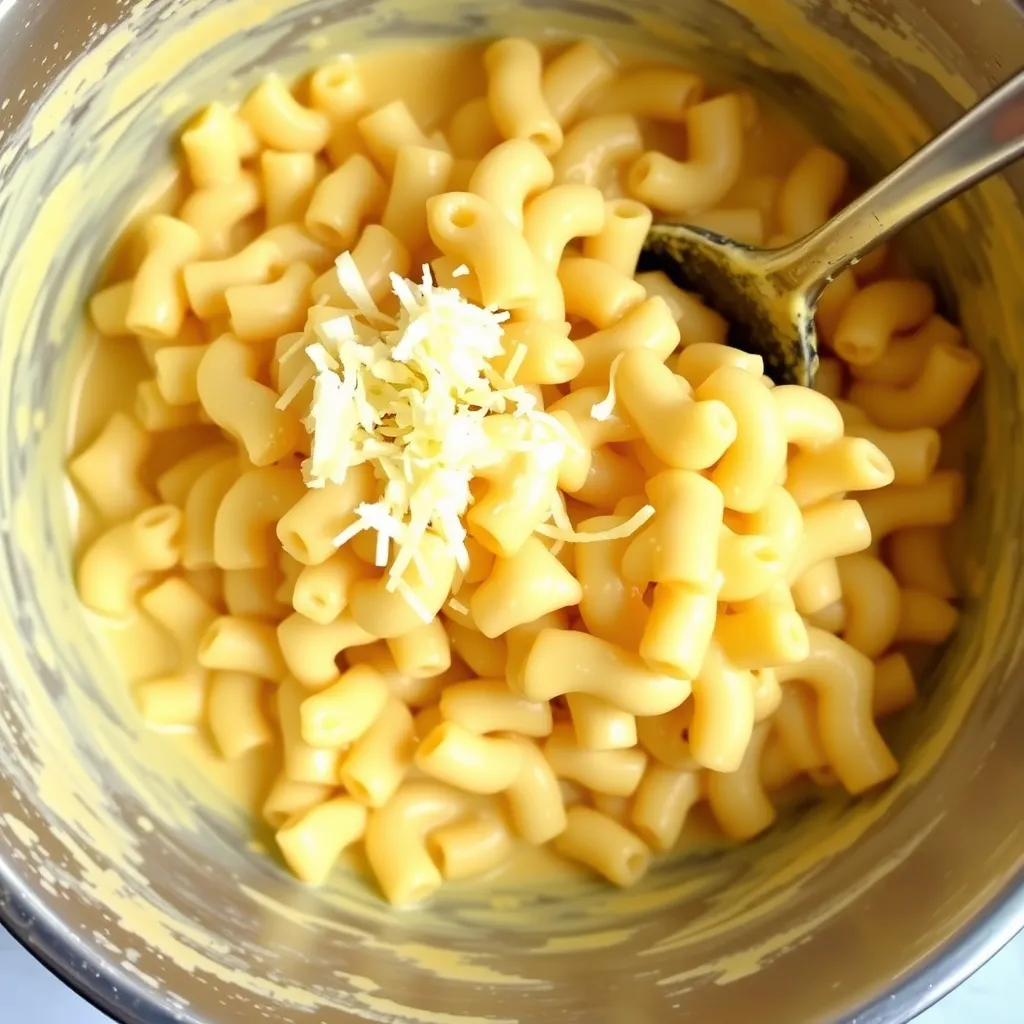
409	394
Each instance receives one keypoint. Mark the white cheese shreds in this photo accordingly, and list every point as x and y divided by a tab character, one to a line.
293	349
604	409
302	378
626	529
515	364
409	394
461	271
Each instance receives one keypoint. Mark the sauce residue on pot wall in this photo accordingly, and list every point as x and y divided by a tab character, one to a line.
86	849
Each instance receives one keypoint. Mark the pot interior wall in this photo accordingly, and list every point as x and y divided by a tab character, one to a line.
116	854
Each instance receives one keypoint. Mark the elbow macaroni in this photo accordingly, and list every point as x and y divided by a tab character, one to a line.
700	599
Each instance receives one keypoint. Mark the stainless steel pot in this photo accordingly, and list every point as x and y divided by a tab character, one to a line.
151	902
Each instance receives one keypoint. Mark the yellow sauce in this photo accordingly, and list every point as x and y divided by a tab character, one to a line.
112	368
79	802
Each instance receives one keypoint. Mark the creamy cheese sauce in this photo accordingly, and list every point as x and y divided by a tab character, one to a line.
99	852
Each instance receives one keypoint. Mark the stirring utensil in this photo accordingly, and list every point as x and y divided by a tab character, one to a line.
769	295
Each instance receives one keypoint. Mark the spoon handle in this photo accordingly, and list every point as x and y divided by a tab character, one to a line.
986	138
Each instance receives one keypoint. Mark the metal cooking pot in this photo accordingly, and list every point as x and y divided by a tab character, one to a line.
144	892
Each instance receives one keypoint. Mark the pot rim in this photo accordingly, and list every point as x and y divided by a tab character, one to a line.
115	993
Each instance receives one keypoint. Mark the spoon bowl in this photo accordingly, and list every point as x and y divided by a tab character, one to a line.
765	315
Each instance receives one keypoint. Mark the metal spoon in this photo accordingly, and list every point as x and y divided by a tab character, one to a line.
769	296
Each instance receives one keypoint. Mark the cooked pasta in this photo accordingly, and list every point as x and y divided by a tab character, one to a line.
475	536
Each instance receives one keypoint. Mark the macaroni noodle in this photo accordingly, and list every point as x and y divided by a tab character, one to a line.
515	550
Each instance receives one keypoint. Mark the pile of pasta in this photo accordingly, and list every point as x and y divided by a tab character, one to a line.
582	693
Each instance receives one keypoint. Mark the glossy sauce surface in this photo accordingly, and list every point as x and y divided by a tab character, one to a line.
433	80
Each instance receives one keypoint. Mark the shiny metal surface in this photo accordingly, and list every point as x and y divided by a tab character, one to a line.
880	923
982	142
772	294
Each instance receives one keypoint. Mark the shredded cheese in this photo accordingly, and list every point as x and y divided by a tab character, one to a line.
626	529
409	394
515	364
604	409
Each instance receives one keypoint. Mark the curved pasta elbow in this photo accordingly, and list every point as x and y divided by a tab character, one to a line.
307	530
765	632
780	520
521	588
716	153
310	651
810	420
471	230
515	503
611	607
751	466
936	502
749	565
682	433
575	75
281	122
894	687
738	799
615	772
876	313
649	326
842	678
510	174
215	211
559	215
159	303
549	357
396	840
107	472
390	613
925	618
378	762
344	201
851	464
596	146
343	712
211	148
918	559
933	400
233	643
565	661
697	361
811	191
236	716
723	713
311	842
488	705
471	847
516	97
871	598
833	529
599	725
263	312
420	172
476	763
245	518
622	238
914	454
239	404
662	804
534	798
113	564
424	652
600	842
